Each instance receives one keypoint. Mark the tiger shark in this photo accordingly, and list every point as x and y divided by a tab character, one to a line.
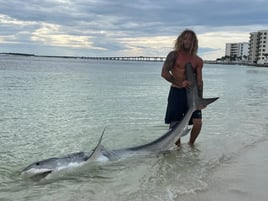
163	143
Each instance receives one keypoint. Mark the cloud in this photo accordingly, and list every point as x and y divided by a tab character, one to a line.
215	42
53	35
125	28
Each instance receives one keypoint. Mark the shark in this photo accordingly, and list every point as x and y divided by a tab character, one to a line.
163	143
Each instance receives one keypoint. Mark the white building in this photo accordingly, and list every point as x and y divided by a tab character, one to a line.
258	47
237	51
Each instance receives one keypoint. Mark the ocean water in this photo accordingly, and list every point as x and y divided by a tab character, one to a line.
52	107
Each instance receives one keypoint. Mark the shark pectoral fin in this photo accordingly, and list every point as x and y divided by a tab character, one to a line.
185	131
206	101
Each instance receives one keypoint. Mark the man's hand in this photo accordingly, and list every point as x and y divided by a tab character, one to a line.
186	84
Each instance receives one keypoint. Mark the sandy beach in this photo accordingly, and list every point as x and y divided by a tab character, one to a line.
243	178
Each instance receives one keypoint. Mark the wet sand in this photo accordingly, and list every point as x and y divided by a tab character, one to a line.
243	178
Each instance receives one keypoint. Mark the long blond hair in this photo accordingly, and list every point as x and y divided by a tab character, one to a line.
179	41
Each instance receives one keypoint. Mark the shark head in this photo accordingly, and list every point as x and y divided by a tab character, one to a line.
50	165
39	167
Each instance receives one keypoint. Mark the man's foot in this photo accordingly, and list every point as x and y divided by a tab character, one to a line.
191	144
178	143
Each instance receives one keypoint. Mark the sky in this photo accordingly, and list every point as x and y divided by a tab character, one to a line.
126	27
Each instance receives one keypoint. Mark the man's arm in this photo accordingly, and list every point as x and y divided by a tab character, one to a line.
167	66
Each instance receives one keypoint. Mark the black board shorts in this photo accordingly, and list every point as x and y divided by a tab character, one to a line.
177	106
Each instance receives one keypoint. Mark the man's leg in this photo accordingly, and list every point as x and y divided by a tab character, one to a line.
197	125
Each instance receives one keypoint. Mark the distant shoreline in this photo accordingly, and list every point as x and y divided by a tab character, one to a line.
118	58
139	58
236	63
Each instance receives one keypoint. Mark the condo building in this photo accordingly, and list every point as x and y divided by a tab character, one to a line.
237	51
258	47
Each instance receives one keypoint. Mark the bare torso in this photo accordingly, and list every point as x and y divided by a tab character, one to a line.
178	70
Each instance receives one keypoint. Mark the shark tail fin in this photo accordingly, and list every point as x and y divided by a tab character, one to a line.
97	150
207	101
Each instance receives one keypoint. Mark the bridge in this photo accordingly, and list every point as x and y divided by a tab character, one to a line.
125	58
140	58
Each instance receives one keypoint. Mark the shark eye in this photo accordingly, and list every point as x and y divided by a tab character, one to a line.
37	163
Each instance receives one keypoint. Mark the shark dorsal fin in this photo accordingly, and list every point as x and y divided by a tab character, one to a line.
97	150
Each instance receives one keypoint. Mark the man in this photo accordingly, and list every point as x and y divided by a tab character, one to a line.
173	71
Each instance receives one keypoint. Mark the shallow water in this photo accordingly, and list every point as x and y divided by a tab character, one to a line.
52	107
